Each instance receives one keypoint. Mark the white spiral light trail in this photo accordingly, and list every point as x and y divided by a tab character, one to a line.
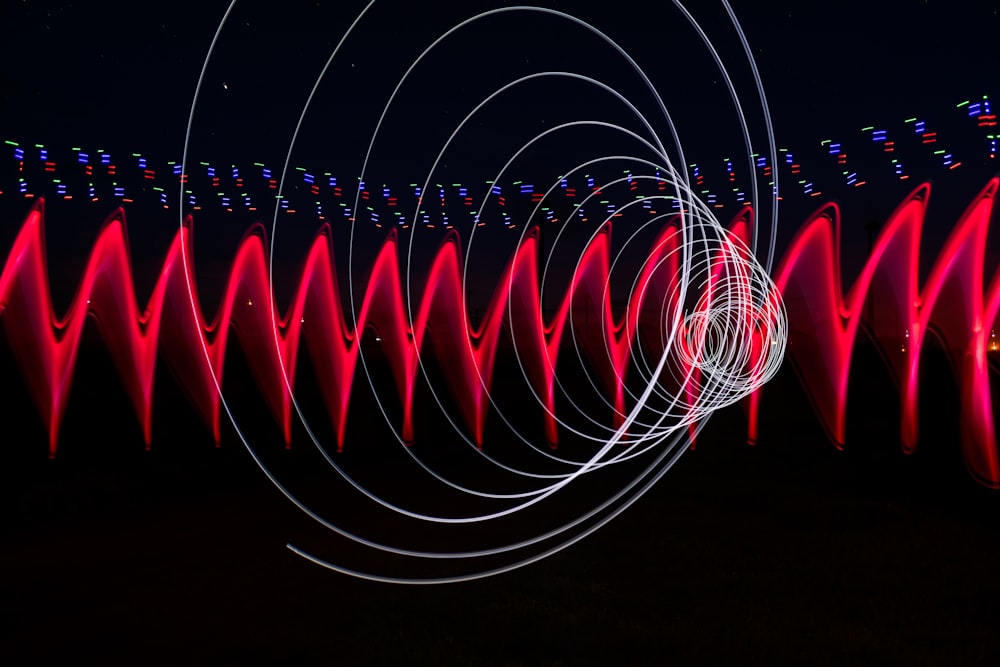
723	300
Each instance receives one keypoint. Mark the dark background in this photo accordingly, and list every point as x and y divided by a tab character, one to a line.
787	552
77	71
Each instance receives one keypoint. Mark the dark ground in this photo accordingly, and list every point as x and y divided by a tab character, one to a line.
786	552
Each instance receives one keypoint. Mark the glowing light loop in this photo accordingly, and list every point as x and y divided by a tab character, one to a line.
722	327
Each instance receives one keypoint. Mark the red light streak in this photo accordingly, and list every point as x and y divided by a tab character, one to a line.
46	345
953	303
824	323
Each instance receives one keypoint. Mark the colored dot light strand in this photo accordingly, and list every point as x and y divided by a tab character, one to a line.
720	300
92	175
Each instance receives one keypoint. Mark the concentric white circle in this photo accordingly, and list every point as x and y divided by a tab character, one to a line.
719	321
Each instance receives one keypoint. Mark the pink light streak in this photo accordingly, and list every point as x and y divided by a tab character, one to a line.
46	345
824	323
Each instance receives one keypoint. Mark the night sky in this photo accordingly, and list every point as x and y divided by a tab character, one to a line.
124	79
77	72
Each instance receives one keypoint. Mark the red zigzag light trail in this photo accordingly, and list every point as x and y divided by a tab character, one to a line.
824	323
46	346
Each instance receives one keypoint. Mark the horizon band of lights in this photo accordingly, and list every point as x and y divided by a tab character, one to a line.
92	175
720	300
